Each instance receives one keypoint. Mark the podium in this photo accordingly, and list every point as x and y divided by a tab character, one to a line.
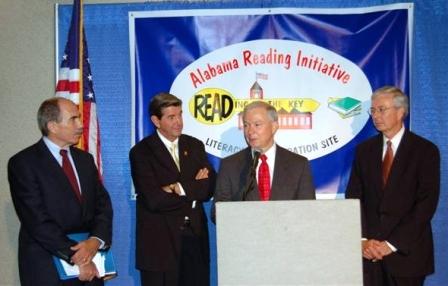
289	243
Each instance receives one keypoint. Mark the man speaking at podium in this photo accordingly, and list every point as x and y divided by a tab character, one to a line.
263	171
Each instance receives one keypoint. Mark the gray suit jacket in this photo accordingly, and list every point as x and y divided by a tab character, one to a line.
292	178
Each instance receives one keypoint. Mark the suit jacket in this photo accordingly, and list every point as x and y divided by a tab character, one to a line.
401	212
292	179
160	215
48	209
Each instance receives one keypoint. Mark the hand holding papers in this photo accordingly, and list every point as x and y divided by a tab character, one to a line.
103	261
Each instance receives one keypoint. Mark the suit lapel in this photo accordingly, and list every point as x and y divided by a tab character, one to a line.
47	159
400	161
184	153
162	153
81	170
278	179
377	162
246	162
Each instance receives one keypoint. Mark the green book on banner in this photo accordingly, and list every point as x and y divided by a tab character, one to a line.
352	113
344	105
104	262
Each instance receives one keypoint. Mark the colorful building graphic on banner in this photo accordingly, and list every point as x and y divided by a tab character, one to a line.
293	119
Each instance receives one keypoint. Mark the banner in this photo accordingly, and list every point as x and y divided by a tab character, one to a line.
317	67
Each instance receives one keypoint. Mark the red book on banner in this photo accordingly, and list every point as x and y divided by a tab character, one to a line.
75	83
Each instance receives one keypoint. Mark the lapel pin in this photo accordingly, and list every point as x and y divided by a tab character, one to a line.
185	153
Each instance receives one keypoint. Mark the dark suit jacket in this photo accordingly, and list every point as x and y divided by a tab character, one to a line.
160	215
49	210
292	178
402	212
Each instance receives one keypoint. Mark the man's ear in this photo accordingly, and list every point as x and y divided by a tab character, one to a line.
155	121
401	113
51	126
274	127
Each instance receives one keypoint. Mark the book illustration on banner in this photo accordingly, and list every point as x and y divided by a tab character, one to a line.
104	262
346	107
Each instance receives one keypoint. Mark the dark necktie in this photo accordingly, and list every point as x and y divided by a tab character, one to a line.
70	173
264	179
387	162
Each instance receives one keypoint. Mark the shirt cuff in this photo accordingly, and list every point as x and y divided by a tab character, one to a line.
182	191
102	243
393	248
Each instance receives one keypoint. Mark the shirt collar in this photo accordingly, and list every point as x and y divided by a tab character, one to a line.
271	151
53	147
396	139
165	141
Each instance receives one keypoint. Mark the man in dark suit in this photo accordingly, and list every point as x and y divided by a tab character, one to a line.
172	177
50	206
397	184
287	175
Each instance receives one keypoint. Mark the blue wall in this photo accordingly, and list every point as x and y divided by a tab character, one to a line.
107	37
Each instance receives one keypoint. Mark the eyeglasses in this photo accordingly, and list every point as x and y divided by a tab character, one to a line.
380	110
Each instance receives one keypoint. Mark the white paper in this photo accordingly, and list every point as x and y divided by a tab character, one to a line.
73	270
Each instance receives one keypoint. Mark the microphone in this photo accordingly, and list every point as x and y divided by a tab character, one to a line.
256	155
251	179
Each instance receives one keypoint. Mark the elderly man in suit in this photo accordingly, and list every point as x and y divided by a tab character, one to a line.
172	177
396	176
51	204
264	170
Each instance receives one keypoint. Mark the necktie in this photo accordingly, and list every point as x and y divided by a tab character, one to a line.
387	162
174	155
264	179
70	173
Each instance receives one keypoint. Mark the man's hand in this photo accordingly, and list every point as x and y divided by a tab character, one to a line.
202	174
174	188
168	188
384	248
85	250
88	271
375	250
370	251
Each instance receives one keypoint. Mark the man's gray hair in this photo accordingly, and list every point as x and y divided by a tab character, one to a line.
48	111
399	97
272	112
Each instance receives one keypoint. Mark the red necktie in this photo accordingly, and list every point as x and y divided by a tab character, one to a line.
387	162
68	170
264	179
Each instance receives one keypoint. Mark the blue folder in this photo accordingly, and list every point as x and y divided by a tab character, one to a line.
109	264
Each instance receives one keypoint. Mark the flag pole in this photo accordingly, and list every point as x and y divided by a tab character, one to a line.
81	66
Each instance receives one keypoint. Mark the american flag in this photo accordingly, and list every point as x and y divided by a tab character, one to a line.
75	66
260	75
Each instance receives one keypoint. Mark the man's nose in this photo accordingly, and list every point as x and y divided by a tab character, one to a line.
250	130
79	123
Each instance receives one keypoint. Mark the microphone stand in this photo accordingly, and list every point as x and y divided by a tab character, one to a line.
252	178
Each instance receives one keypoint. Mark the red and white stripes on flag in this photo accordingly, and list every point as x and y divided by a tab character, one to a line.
75	83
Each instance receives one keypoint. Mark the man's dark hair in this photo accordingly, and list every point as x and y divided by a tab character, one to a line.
48	111
160	101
